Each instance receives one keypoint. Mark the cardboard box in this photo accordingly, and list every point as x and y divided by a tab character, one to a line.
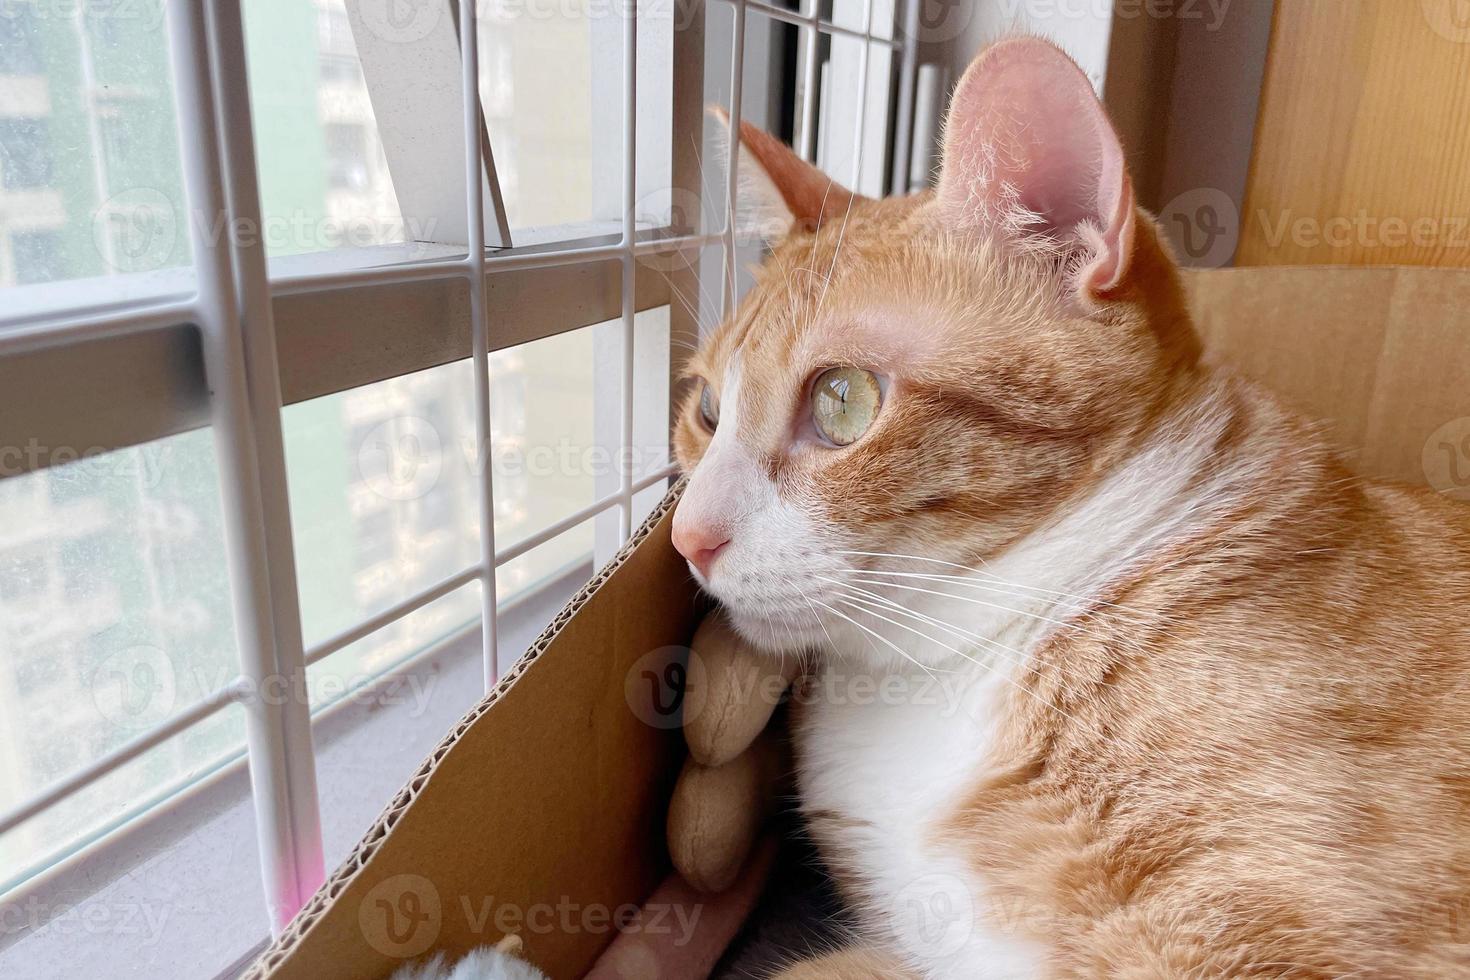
551	794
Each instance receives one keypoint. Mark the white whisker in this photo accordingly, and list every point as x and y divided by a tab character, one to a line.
991	577
1011	681
1062	624
895	647
951	628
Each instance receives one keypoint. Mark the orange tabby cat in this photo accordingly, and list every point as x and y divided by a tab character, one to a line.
1123	674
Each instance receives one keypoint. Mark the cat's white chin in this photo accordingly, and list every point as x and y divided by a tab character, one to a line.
777	634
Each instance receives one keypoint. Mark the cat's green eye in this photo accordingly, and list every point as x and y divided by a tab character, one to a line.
845	401
709	408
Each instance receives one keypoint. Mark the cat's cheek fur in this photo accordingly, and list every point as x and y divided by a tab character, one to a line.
770	576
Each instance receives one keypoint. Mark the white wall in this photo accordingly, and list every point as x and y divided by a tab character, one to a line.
953	31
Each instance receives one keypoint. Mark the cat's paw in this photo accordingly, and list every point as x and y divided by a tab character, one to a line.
486	963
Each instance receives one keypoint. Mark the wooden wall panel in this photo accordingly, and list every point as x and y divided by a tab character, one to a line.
1362	152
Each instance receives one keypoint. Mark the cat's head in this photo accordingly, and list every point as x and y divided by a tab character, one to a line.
929	376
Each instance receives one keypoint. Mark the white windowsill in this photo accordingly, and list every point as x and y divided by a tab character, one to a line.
100	294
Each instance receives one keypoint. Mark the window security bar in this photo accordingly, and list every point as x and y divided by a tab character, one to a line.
232	307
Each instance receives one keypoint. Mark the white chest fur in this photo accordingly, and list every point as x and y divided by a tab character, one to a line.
883	763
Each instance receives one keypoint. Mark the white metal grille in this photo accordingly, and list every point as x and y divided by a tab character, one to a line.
238	310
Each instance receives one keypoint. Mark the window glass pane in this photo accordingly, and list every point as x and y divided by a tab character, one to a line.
383	478
324	180
115	616
89	165
536	86
567	555
349	673
548	461
118	796
383	499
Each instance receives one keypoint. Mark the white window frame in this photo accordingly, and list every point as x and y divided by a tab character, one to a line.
232	340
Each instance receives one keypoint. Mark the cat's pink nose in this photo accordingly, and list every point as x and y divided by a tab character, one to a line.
700	543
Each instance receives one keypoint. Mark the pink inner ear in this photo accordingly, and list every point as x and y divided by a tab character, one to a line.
1029	150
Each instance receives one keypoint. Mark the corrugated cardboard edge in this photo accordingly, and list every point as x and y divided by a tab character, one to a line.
299	932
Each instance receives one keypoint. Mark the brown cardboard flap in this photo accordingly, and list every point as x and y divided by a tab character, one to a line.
549	796
1382	354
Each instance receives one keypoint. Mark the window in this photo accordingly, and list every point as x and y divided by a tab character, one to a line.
90	183
19	47
347	156
36	256
324	182
423	351
25	154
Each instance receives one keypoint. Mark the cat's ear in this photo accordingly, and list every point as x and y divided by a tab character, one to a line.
1029	154
779	192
